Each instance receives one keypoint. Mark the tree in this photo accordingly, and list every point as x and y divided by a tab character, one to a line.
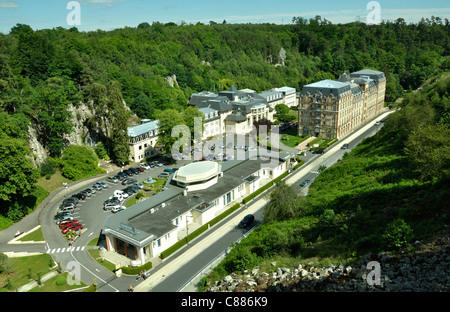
17	176
284	203
168	119
398	234
120	150
429	150
141	106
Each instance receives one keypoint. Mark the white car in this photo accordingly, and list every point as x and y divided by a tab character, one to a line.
119	193
145	166
118	209
111	206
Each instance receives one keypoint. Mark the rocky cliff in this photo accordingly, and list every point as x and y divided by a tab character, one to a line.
427	269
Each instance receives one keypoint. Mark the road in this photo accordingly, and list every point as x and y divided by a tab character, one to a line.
185	274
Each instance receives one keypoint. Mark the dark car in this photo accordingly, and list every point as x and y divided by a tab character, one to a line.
128	172
67	205
71	200
345	146
80	195
305	183
135	171
247	221
128	181
62	215
319	151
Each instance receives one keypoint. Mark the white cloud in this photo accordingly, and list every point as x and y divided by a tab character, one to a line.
9	5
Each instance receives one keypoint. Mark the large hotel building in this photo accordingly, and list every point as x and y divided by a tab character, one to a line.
332	109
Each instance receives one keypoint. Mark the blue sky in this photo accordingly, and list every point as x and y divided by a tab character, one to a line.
111	14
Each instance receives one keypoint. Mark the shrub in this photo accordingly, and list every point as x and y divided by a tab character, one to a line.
398	234
79	162
61	280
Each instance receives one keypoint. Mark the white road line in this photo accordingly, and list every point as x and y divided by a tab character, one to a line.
57	250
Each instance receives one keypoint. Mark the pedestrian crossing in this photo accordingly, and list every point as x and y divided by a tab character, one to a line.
68	249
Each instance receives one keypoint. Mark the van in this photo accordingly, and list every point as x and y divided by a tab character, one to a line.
164	175
248	220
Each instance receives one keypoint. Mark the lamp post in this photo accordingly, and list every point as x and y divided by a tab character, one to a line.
187	229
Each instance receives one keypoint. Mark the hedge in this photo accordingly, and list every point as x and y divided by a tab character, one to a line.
136	270
198	231
262	189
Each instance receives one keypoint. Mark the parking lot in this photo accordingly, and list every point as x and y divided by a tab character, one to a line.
90	212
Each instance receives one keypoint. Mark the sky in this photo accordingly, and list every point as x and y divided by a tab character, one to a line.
90	15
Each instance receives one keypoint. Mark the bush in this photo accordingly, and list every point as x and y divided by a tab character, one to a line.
398	234
79	162
48	167
137	270
61	280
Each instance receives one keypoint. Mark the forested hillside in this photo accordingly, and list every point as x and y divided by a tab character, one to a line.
385	194
42	72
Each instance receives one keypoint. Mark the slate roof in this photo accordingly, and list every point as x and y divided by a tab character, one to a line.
143	128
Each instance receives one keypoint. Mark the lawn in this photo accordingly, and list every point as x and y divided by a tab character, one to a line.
290	138
35	236
27	269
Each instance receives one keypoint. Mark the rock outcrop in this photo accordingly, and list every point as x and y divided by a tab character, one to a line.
427	269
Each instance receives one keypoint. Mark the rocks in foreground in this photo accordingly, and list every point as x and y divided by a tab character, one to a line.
425	270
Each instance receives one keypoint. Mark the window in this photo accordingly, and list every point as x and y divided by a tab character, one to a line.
228	198
159	242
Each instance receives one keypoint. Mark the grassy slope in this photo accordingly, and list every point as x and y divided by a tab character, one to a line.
368	189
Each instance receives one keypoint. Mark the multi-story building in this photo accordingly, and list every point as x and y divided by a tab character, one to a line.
332	109
142	140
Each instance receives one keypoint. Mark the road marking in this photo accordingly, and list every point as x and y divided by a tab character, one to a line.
58	250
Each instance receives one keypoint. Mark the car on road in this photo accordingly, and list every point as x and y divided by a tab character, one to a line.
74	227
345	146
113	179
164	175
319	151
377	123
129	181
247	221
305	183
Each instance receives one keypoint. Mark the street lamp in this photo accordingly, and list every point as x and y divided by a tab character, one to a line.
187	229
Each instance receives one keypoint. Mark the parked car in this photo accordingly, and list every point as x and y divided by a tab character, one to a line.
135	171
145	166
118	209
134	188
113	179
305	183
87	192
170	171
67	223
111	206
345	146
140	169
159	164
93	190
63	216
101	185
71	200
128	181
97	187
74	227
139	185
80	195
164	175
67	205
247	221
129	172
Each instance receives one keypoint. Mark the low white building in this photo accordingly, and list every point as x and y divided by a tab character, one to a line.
196	194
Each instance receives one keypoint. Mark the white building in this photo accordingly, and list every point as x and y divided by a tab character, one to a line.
196	194
142	140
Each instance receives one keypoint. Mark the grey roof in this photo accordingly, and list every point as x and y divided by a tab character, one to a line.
148	225
143	128
372	74
326	88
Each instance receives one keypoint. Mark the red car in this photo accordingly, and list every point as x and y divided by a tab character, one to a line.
67	223
74	227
